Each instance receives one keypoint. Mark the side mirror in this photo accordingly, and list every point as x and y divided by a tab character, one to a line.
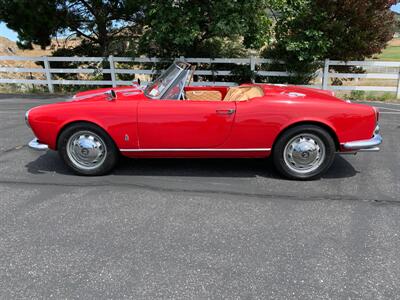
111	95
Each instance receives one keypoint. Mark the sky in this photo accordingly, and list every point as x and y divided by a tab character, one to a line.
8	33
396	8
11	35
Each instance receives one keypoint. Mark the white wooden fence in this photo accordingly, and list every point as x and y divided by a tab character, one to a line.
323	76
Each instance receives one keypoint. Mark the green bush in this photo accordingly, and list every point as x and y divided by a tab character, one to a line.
357	95
380	96
375	96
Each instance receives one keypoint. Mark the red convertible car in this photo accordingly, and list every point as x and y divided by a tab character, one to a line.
300	128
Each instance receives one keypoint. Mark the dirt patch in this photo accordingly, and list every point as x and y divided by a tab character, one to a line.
395	42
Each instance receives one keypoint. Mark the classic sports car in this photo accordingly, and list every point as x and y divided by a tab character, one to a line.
300	128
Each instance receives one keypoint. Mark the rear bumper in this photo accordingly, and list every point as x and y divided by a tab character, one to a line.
370	145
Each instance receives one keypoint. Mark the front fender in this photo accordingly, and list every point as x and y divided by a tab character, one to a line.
118	119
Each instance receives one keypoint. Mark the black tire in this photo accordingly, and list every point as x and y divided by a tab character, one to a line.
285	155
107	160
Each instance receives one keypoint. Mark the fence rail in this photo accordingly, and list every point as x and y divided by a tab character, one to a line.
323	77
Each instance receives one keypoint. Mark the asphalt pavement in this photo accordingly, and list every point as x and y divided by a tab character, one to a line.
182	229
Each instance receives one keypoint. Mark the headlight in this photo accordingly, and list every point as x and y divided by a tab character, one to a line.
27	119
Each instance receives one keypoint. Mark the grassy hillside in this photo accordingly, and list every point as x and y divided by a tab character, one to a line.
392	51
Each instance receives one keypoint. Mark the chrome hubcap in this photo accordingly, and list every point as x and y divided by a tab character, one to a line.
86	150
304	153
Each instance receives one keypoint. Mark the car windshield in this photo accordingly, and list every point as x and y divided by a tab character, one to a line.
157	88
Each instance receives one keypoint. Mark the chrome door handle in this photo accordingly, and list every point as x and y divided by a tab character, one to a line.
225	111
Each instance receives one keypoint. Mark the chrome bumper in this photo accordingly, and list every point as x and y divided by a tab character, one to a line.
34	144
370	145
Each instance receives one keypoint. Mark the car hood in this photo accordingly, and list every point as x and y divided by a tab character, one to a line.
100	94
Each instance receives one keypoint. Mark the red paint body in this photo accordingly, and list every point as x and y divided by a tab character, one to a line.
173	124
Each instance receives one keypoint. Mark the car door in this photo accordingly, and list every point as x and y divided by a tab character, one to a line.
180	124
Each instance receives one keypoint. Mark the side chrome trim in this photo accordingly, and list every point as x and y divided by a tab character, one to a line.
199	150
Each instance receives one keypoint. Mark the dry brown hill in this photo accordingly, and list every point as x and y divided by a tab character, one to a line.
10	48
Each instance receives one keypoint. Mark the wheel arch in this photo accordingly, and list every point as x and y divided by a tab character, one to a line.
320	124
71	123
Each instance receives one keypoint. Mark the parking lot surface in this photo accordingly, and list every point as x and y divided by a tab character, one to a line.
196	228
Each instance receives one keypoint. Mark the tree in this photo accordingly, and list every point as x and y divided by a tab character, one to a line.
209	28
102	24
308	31
300	32
397	17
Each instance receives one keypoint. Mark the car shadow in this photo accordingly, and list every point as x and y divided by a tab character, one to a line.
246	168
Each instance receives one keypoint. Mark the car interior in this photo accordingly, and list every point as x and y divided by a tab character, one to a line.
175	84
239	93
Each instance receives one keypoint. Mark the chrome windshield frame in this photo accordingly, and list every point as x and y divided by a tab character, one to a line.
185	75
167	87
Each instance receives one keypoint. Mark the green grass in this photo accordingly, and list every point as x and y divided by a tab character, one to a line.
390	53
372	96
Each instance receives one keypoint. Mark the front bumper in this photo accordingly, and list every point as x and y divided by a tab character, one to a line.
35	144
370	145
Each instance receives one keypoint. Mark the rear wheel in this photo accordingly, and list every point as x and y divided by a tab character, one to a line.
87	149
304	152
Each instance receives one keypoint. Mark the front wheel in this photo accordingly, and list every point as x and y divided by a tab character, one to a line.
87	149
304	152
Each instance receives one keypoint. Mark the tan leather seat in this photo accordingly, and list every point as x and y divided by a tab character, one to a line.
243	93
204	95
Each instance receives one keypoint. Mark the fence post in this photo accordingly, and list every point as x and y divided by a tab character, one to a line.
325	75
252	67
48	74
112	70
398	86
